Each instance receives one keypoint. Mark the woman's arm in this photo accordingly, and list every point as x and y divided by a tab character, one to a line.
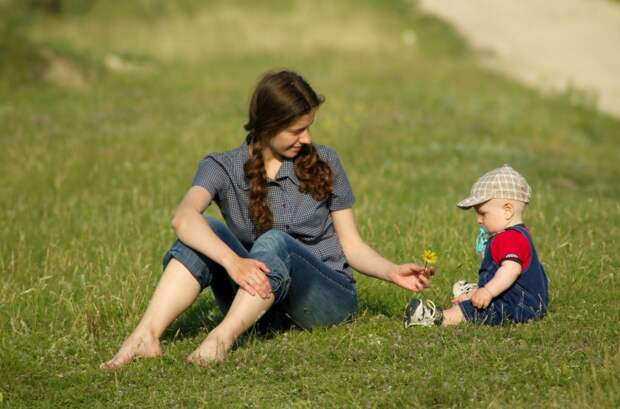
366	260
193	230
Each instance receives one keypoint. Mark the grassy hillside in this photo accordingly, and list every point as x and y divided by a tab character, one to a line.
93	168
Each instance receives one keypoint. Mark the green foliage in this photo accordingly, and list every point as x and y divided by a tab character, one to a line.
20	60
91	176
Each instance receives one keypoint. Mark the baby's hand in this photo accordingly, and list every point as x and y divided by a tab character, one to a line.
461	298
481	297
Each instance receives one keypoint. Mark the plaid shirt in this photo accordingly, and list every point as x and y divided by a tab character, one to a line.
295	213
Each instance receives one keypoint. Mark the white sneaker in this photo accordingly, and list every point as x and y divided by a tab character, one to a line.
463	287
423	313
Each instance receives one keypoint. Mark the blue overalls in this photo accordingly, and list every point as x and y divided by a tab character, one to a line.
525	300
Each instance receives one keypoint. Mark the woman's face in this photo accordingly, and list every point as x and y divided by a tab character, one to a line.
287	143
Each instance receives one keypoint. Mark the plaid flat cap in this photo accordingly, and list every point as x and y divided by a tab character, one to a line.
500	183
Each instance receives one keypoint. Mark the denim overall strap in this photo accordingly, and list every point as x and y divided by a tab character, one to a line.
488	268
533	279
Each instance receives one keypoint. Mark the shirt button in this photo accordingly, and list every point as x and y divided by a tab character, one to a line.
288	227
284	205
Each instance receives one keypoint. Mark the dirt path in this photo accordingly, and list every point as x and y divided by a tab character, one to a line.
550	44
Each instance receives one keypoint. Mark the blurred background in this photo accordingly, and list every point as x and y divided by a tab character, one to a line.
554	45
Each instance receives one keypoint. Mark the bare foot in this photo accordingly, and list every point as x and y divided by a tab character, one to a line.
212	350
135	346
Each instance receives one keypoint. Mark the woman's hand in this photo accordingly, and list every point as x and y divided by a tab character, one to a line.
481	297
250	275
411	276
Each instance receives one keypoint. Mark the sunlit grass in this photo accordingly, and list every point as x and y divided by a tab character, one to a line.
91	177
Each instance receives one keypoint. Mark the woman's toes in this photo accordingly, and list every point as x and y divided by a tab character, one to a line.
116	362
211	351
131	350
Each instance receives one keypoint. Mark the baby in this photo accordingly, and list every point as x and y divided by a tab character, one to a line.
512	285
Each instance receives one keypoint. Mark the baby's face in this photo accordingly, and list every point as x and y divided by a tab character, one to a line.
495	215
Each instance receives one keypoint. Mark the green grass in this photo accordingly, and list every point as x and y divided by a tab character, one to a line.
91	177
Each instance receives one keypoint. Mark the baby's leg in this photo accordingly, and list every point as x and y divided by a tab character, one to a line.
452	316
494	314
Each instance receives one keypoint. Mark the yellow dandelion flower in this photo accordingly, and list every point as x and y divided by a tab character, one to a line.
429	257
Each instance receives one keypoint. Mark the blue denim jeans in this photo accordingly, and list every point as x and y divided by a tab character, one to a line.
307	292
514	305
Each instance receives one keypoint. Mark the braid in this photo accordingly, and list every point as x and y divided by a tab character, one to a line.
254	170
315	176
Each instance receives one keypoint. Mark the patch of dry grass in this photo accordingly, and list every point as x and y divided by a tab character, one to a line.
228	29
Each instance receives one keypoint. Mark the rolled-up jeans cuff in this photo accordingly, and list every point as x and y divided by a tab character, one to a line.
495	313
468	310
278	276
191	260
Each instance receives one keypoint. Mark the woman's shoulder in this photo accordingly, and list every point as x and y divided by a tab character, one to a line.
230	158
326	153
330	156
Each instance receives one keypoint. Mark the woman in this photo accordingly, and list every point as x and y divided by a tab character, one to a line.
289	241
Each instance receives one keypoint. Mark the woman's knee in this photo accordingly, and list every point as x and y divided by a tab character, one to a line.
272	241
279	279
225	234
271	249
217	226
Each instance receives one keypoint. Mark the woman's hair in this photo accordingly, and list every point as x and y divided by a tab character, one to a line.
280	98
